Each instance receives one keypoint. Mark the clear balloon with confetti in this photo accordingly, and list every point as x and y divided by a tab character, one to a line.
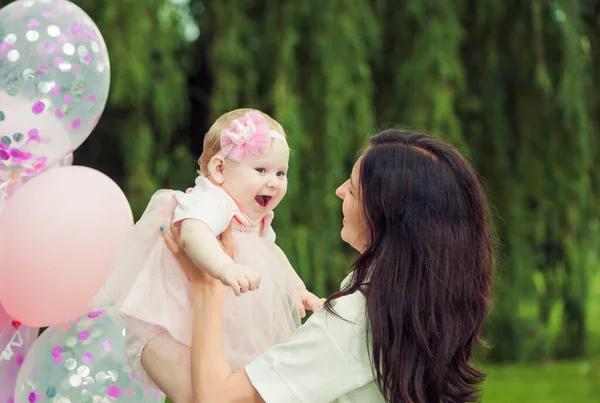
54	83
81	361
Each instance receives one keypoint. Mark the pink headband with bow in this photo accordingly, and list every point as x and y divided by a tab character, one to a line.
249	134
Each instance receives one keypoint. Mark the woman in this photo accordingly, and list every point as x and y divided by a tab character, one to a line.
403	326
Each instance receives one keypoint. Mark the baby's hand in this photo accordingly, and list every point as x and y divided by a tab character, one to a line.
240	278
310	302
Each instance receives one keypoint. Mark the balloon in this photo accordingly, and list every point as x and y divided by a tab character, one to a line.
81	361
54	82
58	236
4	319
15	346
9	187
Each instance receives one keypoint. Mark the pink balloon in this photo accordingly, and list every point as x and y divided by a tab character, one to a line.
58	235
4	319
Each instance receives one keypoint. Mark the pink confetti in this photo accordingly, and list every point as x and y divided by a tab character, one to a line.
19	359
90	98
33	24
87	358
56	351
129	392
107	345
95	314
76	123
55	90
75	29
43	69
62	39
5	47
58	61
48	14
113	391
49	48
76	69
59	114
58	359
83	335
67	100
38	107
33	134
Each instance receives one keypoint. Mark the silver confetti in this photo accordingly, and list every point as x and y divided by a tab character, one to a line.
70	364
75	381
113	375
65	67
28	74
10	38
44	87
13	55
53	31
32	35
69	49
83	371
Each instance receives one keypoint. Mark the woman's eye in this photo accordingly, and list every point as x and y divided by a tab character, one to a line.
261	170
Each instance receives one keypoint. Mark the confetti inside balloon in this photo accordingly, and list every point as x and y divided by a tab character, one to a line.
61	366
54	82
15	342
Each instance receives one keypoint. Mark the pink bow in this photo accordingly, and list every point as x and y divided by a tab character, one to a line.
248	134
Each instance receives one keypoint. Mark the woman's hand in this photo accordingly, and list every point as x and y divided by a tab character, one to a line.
193	272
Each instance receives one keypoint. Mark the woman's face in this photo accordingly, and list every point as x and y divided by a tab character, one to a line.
355	231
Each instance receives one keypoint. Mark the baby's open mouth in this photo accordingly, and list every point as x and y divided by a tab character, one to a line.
263	200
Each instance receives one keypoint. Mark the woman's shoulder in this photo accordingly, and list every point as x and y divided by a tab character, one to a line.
351	308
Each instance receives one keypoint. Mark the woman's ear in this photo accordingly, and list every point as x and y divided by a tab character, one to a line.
216	168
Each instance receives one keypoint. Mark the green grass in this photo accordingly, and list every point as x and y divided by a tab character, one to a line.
558	382
549	383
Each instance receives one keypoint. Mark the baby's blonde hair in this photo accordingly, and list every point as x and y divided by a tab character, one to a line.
212	140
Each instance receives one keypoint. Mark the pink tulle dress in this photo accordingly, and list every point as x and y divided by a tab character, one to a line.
150	293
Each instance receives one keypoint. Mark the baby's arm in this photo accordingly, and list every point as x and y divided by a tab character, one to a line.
205	251
203	248
309	300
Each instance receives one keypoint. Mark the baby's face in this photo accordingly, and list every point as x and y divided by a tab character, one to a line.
258	184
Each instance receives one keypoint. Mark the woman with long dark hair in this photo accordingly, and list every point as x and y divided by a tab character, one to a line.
403	326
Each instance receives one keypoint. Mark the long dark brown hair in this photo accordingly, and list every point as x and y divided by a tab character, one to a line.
427	272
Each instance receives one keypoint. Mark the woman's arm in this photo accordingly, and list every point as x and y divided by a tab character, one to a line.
212	380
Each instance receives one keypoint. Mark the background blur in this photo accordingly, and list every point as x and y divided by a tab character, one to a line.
512	83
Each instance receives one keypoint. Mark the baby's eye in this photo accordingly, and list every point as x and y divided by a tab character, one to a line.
280	173
260	170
